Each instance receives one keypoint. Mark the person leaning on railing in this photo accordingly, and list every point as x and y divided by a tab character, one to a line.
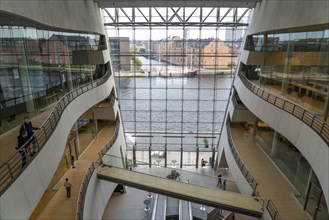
22	139
28	127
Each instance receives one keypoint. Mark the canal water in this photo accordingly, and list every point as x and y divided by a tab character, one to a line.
190	107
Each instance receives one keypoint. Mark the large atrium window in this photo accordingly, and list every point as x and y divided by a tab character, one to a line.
174	69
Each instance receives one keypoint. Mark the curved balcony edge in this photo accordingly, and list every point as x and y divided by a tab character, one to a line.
28	186
314	122
98	191
235	170
85	183
312	146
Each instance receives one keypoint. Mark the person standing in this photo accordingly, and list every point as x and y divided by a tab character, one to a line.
28	127
219	183
22	145
224	184
203	162
68	186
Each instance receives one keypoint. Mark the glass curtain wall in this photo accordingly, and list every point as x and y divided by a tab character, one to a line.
173	80
36	69
295	65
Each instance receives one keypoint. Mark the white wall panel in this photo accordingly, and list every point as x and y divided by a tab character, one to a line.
305	139
77	15
270	15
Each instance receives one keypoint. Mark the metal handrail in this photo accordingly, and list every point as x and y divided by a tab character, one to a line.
275	215
85	182
83	191
317	124
246	173
103	151
11	169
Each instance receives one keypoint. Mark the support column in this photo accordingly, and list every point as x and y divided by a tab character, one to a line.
25	80
197	157
213	157
134	154
181	157
165	155
301	182
308	189
287	68
255	129
275	144
309	181
150	156
95	124
76	138
326	109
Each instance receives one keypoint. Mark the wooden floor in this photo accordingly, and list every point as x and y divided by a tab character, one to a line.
189	192
61	207
272	183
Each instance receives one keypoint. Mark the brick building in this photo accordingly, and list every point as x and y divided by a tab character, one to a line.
206	53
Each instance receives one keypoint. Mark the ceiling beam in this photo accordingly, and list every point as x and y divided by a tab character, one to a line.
177	3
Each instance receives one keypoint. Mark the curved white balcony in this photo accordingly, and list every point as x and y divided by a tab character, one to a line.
308	133
21	189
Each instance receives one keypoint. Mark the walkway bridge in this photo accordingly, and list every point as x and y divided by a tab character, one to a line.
185	190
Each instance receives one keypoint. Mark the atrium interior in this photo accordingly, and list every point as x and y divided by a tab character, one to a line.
164	110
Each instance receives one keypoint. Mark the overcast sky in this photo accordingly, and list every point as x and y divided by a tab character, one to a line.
143	33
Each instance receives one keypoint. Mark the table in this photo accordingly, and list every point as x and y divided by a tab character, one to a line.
158	161
147	202
174	163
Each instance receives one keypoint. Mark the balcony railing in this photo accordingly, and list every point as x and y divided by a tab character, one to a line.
249	177
15	165
273	210
83	191
85	182
314	122
113	139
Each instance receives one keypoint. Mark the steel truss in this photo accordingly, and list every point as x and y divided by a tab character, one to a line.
181	16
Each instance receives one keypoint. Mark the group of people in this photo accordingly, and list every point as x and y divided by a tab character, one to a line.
25	139
26	145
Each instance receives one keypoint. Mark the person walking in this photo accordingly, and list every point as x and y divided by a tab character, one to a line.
68	186
22	145
219	182
224	184
28	127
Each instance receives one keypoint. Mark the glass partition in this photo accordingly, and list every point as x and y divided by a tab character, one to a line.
167	172
294	65
37	69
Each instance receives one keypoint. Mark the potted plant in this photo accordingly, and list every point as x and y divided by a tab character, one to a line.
130	164
174	175
205	141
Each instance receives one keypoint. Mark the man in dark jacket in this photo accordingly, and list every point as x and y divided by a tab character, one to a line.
28	127
22	145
